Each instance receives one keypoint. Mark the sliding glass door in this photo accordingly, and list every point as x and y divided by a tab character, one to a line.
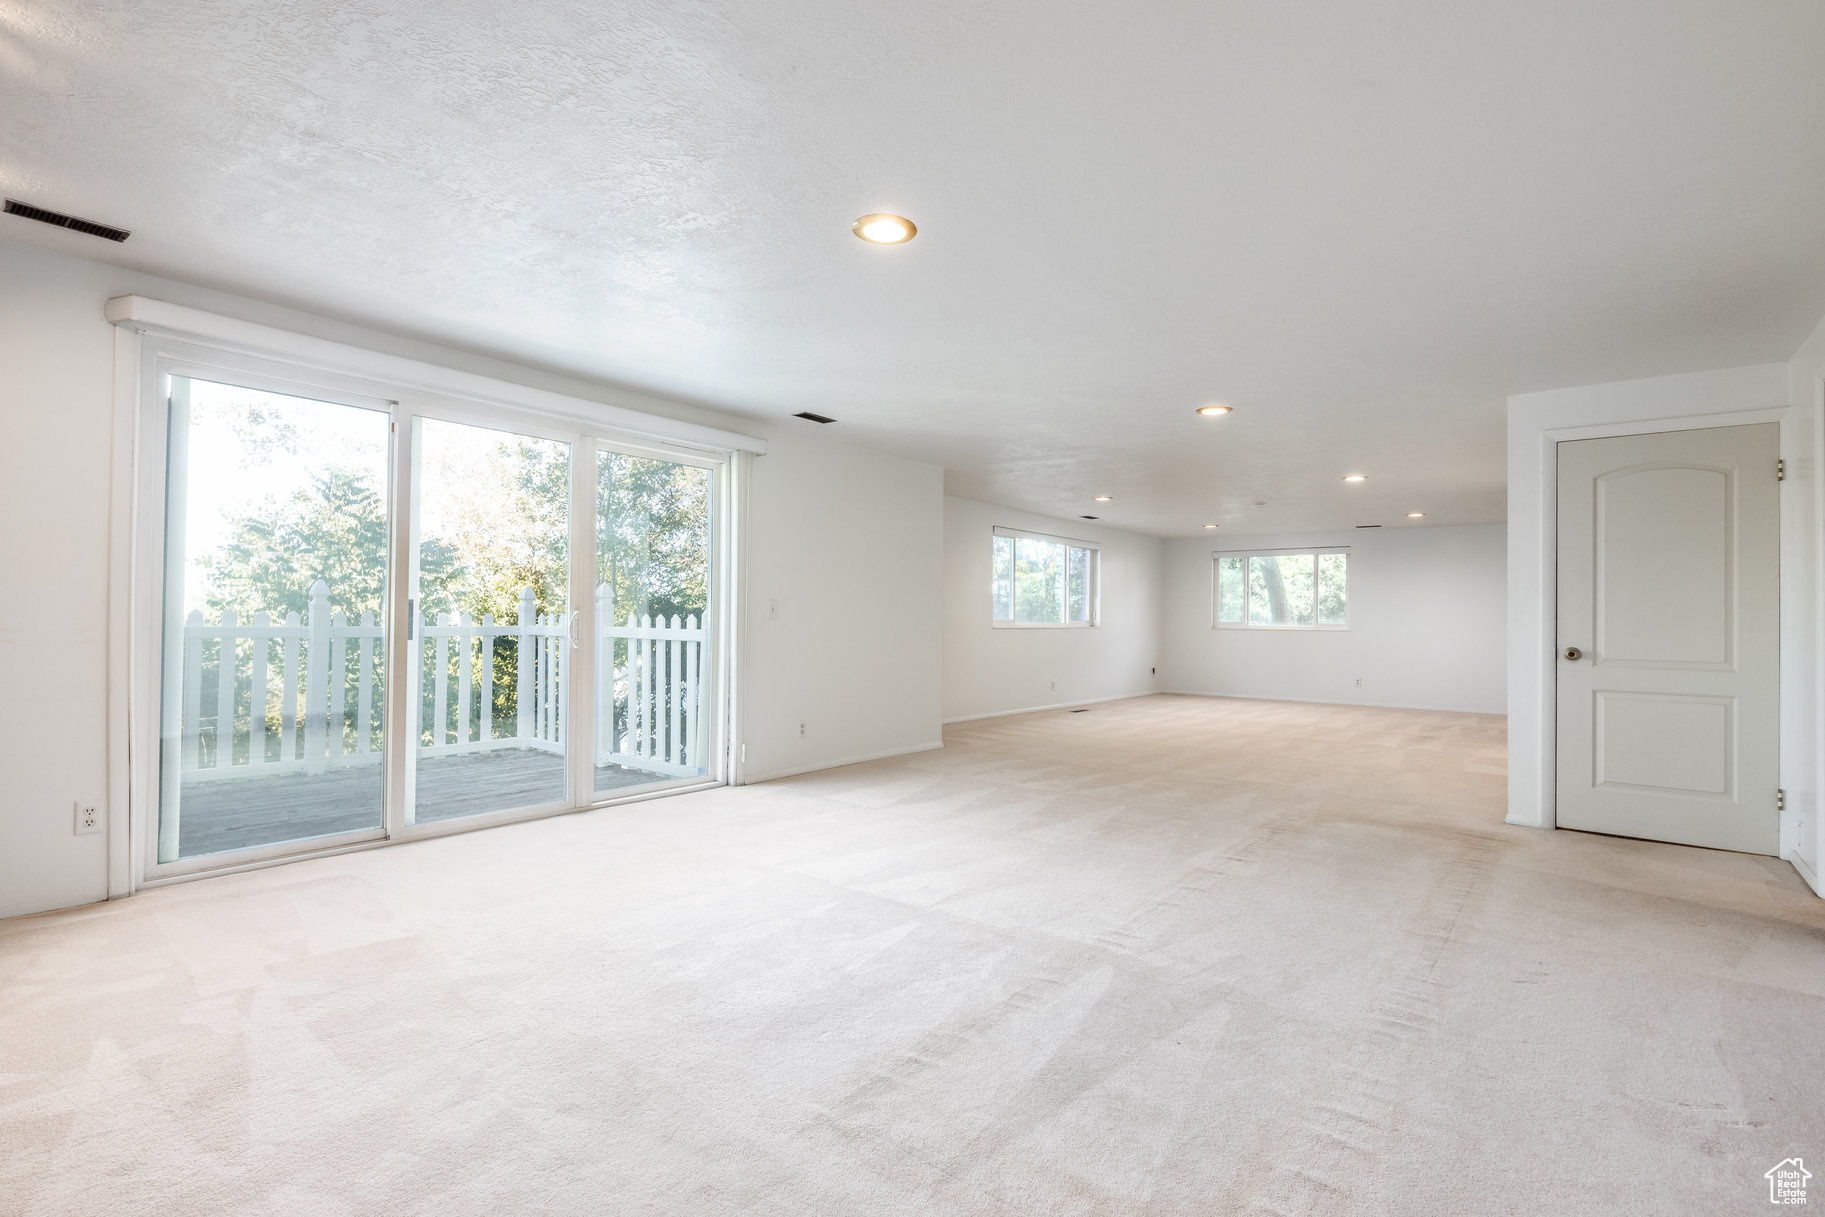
654	653
492	634
274	637
372	622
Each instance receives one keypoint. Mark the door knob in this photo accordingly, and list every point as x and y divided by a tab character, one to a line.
1573	654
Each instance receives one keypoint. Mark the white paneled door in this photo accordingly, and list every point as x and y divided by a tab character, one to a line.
1669	637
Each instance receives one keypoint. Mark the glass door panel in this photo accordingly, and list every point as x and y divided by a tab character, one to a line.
491	630
274	643
653	597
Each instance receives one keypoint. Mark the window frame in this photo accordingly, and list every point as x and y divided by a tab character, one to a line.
1247	556
1095	551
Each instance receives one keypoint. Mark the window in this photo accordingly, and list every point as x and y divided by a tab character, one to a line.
1043	581
1283	590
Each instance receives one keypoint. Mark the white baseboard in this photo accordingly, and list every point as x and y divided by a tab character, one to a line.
1806	872
1320	701
748	779
1062	705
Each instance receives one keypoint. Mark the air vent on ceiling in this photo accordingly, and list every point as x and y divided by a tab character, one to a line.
1089	517
26	211
1368	526
816	418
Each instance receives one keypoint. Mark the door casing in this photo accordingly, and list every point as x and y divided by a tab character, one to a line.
1533	621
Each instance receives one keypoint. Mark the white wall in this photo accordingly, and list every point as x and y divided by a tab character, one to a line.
989	671
1536	423
846	544
56	400
812	501
1426	621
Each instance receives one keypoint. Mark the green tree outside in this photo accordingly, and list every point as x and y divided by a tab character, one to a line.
496	521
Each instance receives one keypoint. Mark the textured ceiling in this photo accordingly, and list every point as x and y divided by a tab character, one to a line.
1360	224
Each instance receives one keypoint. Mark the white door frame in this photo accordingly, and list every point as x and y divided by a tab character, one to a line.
1541	635
146	331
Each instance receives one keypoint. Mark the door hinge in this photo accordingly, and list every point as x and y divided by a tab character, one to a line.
1780	799
1780	471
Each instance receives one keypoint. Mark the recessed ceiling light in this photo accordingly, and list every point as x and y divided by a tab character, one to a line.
1104	498
1416	515
1210	526
884	229
1355	477
1215	411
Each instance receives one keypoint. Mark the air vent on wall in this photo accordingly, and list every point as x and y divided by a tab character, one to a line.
816	418
1089	517
1368	526
26	211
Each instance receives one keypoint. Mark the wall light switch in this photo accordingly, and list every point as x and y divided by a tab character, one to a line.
772	610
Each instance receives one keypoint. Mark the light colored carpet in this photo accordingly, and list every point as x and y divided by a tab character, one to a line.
1169	956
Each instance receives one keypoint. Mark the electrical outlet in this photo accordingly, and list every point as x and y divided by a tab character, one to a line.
801	728
1359	682
772	610
1055	686
88	817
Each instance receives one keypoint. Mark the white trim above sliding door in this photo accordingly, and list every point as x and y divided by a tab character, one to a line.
146	315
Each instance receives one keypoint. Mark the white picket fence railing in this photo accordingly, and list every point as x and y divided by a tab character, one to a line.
542	639
313	716
648	716
313	656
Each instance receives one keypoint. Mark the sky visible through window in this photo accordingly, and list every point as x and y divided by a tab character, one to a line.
251	450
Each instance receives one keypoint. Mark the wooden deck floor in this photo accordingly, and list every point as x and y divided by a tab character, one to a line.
239	813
